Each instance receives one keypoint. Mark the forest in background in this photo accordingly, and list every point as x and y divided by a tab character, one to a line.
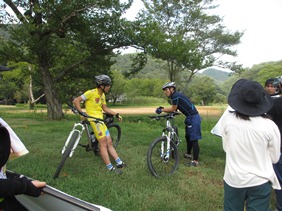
207	88
57	49
58	46
210	87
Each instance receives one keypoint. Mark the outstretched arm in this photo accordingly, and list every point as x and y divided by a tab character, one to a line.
16	186
171	109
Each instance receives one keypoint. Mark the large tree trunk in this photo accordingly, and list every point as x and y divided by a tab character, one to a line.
54	106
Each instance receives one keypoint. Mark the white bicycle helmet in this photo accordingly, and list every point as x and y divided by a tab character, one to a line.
168	85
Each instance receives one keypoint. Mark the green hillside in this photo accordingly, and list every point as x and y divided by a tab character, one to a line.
156	69
217	75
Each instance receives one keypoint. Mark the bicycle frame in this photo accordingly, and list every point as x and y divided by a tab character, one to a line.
74	129
91	139
169	133
77	131
84	126
162	155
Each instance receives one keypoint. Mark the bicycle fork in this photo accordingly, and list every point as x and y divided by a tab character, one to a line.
74	129
165	153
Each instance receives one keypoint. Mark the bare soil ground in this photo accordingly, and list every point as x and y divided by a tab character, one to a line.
203	110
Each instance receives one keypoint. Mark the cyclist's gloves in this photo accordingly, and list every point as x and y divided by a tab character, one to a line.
119	117
159	110
31	190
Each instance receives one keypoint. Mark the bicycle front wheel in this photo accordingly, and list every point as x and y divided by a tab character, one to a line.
158	164
66	153
115	132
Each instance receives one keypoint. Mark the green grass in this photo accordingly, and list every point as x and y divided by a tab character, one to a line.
85	176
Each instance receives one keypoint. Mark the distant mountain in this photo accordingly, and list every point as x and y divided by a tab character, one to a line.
216	73
155	69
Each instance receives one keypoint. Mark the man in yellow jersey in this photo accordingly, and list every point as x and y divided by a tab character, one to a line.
95	104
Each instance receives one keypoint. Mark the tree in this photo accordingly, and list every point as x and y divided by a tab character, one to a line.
64	40
203	90
270	70
118	87
10	83
260	72
183	34
149	87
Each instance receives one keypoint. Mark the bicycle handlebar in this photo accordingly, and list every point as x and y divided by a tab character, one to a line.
75	111
168	115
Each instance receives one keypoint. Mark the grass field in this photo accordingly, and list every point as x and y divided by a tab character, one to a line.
85	176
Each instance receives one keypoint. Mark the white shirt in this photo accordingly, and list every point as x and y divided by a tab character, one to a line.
3	172
251	147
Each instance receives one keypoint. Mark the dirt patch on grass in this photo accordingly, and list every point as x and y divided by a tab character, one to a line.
203	110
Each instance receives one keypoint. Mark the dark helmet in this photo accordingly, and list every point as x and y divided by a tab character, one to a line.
272	81
168	85
103	80
278	81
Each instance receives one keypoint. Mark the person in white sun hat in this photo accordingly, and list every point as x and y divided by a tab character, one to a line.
251	142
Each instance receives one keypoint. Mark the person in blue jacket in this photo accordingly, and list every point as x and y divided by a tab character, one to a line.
193	133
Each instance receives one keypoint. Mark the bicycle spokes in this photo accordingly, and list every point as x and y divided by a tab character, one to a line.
161	158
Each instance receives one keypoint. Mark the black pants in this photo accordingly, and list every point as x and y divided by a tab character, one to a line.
193	145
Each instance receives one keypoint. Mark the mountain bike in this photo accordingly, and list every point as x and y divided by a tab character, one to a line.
162	155
92	143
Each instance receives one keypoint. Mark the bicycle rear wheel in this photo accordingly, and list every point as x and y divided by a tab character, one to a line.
157	164
115	132
67	152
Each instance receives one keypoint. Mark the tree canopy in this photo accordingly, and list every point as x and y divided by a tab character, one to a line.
62	45
64	40
185	35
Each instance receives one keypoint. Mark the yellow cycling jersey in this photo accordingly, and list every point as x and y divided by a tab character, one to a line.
93	103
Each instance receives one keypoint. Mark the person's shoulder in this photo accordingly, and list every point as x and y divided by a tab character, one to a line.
277	100
177	94
262	120
93	91
276	110
229	118
229	114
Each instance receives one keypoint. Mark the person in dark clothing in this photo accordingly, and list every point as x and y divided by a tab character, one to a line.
192	121
276	112
12	184
276	115
273	86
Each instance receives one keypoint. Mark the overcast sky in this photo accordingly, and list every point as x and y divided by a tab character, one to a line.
261	20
